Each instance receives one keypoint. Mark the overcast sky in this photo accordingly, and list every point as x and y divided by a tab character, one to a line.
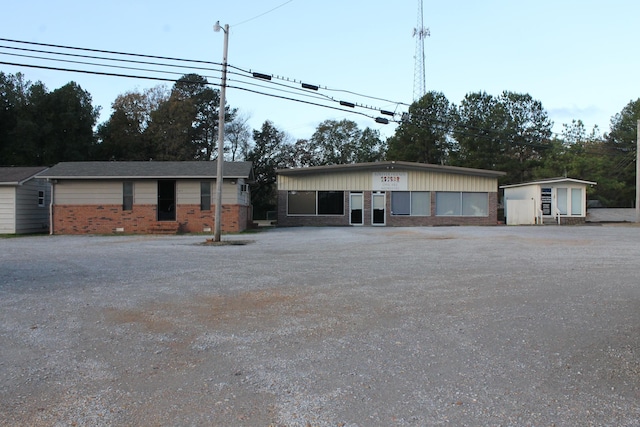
578	57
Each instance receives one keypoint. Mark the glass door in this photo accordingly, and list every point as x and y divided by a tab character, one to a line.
378	203
356	205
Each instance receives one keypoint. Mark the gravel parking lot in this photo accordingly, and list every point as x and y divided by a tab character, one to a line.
461	326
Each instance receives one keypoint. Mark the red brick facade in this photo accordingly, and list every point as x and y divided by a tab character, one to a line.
107	219
390	220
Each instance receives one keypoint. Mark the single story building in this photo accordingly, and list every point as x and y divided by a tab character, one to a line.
554	200
147	197
389	193
24	199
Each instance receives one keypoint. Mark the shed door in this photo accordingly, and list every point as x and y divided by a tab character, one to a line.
166	200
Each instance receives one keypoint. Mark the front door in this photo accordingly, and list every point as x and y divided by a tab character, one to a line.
166	200
378	203
356	204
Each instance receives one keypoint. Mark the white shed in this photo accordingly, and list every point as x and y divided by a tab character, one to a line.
554	200
24	200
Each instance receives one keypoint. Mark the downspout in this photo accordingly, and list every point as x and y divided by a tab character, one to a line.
53	186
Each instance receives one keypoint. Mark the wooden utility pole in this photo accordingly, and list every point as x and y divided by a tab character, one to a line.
638	174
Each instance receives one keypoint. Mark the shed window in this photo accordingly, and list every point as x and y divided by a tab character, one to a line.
127	196
414	203
205	196
576	201
41	198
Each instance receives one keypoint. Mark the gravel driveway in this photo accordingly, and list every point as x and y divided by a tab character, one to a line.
475	326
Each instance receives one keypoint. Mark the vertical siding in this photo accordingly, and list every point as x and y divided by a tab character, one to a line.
31	218
7	210
362	181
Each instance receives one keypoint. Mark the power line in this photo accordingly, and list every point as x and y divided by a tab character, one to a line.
289	89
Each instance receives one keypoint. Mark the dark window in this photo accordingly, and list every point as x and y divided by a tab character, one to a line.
127	196
301	203
400	203
205	196
41	198
330	202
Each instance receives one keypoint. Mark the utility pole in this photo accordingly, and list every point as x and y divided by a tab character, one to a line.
638	174
219	177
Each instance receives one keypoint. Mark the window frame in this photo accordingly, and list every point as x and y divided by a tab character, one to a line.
205	196
325	203
127	195
412	203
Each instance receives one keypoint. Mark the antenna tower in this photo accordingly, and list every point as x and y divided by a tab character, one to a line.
419	77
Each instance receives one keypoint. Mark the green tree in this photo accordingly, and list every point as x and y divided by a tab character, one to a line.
269	152
509	133
425	136
123	136
621	146
342	142
185	126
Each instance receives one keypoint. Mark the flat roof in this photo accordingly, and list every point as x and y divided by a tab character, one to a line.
550	181
390	165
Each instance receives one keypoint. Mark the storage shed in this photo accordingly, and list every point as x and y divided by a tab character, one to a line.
389	193
24	199
551	201
147	197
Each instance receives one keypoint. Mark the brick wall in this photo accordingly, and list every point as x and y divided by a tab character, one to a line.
106	219
391	220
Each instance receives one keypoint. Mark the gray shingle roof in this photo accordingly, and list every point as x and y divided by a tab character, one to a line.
17	175
151	169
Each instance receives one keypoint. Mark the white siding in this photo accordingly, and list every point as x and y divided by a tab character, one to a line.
89	192
144	192
7	210
31	218
363	181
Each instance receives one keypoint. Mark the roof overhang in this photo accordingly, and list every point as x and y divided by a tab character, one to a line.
550	181
389	165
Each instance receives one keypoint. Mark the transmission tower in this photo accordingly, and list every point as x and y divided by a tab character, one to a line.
419	77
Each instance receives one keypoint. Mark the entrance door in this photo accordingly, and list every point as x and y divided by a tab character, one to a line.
166	200
378	203
356	205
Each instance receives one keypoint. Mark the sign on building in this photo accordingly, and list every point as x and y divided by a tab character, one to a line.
390	181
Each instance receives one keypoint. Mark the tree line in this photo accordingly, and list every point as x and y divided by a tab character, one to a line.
509	132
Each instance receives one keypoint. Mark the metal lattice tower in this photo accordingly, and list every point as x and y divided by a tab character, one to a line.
419	76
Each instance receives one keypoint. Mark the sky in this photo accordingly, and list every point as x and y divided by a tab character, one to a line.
579	58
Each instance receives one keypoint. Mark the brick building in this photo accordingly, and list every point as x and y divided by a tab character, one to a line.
147	197
387	193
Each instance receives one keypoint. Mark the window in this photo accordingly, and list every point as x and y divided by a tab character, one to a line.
475	204
41	198
562	201
414	203
205	196
315	203
127	196
330	202
301	203
576	201
450	203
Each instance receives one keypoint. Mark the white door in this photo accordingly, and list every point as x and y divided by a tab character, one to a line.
378	213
